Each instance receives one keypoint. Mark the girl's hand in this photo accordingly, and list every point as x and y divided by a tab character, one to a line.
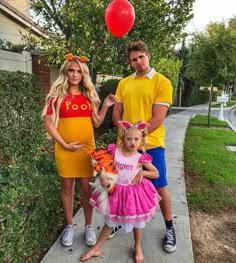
104	182
74	146
109	101
138	177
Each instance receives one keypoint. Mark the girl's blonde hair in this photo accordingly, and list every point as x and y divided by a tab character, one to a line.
59	90
121	136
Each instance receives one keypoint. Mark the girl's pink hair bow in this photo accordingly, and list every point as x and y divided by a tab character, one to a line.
140	125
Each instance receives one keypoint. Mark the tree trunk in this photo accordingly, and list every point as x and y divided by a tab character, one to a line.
209	104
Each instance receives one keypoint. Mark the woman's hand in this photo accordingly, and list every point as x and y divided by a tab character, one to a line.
74	146
109	101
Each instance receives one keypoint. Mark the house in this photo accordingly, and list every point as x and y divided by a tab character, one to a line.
15	21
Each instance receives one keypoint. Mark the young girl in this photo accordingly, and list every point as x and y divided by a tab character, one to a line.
70	112
134	200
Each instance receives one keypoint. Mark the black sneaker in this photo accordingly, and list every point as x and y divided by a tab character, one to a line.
170	240
114	231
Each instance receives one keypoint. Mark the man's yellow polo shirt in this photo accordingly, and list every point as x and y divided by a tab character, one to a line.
138	95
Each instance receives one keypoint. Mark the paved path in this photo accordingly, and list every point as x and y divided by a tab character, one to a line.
119	248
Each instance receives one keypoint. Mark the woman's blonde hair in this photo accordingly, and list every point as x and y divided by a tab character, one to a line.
59	90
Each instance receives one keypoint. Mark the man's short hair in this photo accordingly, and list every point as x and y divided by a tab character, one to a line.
137	45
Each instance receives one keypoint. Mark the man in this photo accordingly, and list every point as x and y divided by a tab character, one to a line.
146	95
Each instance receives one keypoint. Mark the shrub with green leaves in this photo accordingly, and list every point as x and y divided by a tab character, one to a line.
110	136
30	207
21	100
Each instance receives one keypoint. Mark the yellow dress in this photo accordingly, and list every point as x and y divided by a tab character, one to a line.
75	124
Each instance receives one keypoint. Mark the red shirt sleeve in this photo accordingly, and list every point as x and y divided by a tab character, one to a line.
49	109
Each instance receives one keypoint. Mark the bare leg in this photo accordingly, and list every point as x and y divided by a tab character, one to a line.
96	250
85	193
165	203
67	196
138	253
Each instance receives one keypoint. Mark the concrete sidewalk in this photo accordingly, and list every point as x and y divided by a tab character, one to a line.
119	248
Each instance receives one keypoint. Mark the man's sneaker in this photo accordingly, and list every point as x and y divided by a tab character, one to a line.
90	237
170	240
67	236
114	231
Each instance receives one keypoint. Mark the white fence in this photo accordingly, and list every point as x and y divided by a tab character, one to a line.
12	61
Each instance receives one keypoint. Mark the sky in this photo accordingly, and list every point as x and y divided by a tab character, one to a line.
206	11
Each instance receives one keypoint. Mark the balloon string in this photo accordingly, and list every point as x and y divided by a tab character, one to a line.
115	54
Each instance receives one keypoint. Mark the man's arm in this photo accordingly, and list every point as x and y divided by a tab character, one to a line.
158	116
117	113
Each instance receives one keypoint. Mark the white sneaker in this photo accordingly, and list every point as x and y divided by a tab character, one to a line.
67	236
90	237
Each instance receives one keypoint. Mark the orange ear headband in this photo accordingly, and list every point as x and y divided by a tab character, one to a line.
71	57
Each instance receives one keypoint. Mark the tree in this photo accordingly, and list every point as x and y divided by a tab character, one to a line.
79	27
170	68
182	54
212	59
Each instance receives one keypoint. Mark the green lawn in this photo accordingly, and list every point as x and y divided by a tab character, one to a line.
210	169
203	120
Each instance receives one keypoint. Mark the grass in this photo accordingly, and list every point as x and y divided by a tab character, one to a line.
209	167
203	120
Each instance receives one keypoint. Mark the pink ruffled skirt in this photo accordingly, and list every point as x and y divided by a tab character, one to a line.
130	205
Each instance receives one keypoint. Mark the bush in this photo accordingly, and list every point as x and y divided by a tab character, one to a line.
21	100
106	138
30	208
9	46
196	96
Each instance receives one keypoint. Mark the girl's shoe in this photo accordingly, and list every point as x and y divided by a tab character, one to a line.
68	236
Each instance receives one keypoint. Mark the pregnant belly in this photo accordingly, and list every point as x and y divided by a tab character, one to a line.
76	129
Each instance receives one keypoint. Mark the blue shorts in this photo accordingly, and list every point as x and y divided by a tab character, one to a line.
158	155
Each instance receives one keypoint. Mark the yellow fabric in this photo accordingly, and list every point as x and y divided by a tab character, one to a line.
138	95
71	164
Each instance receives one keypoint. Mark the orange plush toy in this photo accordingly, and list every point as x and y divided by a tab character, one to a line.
103	164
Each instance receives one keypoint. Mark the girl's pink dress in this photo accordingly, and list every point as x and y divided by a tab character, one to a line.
129	205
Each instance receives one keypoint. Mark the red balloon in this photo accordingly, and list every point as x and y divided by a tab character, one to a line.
119	17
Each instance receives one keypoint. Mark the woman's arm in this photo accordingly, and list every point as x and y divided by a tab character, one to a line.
108	102
51	129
